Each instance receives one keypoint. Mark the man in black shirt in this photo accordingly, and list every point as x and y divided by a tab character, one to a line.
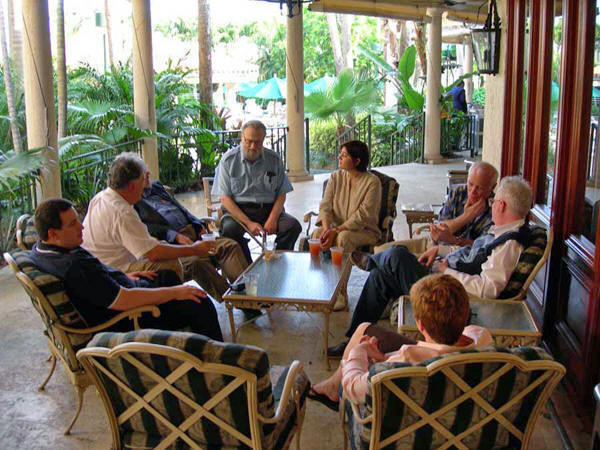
99	292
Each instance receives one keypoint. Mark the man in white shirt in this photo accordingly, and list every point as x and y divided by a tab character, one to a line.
114	233
483	268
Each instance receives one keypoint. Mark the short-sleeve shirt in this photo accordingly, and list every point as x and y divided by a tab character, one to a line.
91	285
113	232
454	207
260	181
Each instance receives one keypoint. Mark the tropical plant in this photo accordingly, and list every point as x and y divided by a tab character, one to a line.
348	94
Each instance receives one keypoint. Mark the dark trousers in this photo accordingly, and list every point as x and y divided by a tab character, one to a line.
391	274
288	228
175	315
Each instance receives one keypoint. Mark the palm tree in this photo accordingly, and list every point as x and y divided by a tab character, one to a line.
61	69
204	53
348	95
9	87
108	34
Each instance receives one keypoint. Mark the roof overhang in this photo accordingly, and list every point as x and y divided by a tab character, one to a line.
473	11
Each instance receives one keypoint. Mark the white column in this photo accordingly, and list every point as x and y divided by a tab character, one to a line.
143	81
39	94
295	98
434	63
468	68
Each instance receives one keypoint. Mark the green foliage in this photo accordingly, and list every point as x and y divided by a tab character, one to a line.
185	31
349	94
322	144
479	96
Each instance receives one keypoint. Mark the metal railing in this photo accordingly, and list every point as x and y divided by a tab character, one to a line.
407	144
458	133
361	131
276	140
84	175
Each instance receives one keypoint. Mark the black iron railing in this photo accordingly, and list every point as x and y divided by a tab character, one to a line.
84	175
361	131
407	143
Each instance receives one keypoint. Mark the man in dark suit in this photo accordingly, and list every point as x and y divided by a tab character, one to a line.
170	221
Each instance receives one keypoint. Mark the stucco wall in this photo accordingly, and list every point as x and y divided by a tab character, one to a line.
494	102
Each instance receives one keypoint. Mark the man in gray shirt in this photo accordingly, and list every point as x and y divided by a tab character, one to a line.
252	184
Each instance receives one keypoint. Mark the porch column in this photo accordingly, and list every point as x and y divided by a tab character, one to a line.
143	81
434	66
294	70
39	94
467	68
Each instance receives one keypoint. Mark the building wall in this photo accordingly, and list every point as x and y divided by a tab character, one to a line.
494	102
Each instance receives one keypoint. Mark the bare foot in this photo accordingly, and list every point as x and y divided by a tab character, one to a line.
328	388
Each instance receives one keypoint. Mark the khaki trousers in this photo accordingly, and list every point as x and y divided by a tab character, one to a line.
146	264
415	246
349	240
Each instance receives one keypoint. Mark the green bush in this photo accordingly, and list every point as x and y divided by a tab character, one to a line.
322	144
479	96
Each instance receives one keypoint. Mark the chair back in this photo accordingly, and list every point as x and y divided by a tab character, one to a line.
47	293
388	211
486	398
26	232
176	389
213	204
530	262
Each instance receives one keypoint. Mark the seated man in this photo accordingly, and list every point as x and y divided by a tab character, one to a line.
483	268
114	233
252	184
465	216
441	308
169	221
100	292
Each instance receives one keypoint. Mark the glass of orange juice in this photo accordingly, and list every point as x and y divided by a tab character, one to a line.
269	249
336	255
314	245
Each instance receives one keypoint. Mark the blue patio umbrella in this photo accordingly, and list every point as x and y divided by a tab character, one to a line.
318	85
271	89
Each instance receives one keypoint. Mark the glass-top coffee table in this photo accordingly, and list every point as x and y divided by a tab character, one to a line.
509	322
293	281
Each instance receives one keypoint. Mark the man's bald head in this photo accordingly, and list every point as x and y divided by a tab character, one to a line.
481	181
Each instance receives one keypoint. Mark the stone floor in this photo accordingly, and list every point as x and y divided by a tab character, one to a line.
36	419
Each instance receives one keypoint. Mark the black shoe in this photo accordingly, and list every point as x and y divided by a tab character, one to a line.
360	259
337	351
250	313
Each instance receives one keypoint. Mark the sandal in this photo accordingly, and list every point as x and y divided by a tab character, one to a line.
324	400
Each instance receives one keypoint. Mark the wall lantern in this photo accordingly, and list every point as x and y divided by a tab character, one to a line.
486	42
290	4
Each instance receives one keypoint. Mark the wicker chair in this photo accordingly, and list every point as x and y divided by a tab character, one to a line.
65	329
178	390
387	213
486	398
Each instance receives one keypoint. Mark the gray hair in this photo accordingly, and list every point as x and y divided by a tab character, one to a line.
256	124
516	192
126	167
489	170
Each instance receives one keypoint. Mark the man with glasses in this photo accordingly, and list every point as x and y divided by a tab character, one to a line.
114	233
252	184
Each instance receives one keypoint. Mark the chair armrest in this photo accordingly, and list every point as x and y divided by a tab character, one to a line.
245	229
132	314
308	215
295	369
355	411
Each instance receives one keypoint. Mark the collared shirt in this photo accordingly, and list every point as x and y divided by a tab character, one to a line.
455	206
355	370
497	269
261	181
92	286
113	231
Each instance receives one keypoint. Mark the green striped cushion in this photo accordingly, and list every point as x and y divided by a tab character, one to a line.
527	261
432	393
29	234
199	386
61	305
389	196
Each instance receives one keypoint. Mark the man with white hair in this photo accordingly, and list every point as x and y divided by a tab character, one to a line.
483	268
